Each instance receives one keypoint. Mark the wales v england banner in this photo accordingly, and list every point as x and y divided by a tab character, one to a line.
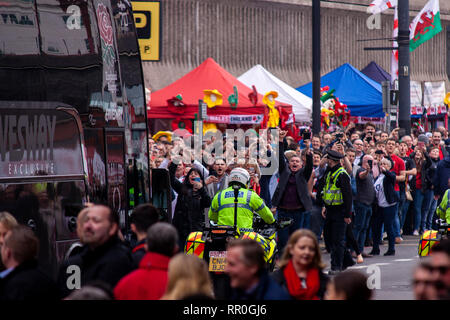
426	25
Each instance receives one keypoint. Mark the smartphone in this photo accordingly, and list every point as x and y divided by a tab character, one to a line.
370	162
339	135
306	135
213	173
197	179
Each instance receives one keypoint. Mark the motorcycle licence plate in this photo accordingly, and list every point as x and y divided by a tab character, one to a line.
217	261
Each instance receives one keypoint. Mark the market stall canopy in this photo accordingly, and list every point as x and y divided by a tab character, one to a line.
264	81
361	94
376	73
207	76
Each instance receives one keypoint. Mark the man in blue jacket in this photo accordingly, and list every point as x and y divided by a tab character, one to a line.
442	175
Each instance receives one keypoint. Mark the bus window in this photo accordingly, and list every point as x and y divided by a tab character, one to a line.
33	205
70	197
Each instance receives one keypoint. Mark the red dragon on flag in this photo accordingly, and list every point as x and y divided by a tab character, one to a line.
426	23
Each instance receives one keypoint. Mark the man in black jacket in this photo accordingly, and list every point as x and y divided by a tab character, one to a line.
335	192
103	258
142	218
291	197
22	280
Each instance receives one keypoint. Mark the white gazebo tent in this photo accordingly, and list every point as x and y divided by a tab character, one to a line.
264	81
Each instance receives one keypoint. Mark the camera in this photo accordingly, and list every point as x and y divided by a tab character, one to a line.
306	135
339	135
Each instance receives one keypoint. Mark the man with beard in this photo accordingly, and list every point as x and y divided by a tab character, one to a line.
103	258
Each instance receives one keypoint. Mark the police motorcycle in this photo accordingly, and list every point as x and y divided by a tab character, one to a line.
431	237
211	244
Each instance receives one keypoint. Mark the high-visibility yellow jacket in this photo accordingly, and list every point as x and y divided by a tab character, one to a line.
222	208
443	210
332	195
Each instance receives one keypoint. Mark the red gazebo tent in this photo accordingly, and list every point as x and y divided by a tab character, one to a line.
208	76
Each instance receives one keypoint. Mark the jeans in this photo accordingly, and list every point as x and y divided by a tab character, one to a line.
427	213
387	216
363	213
418	197
317	220
306	220
402	198
336	227
432	214
404	212
298	220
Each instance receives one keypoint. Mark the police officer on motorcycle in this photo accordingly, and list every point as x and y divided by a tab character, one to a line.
222	210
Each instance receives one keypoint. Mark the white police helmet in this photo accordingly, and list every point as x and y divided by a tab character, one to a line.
239	175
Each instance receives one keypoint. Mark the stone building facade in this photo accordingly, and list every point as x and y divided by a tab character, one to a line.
278	35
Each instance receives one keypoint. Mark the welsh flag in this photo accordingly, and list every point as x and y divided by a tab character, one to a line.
426	25
378	6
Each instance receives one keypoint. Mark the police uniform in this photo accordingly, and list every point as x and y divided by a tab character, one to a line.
336	195
222	208
443	210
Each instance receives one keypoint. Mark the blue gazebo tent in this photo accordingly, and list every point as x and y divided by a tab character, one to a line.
361	94
376	73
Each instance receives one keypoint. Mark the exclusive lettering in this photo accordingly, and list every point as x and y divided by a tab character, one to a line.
30	135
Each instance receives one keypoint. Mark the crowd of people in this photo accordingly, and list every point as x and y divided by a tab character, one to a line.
351	189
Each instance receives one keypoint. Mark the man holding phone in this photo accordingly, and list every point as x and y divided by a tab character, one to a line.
365	196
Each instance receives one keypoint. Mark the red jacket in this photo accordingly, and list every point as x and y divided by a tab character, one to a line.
146	283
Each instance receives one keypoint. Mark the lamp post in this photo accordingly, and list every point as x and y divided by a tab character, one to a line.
316	66
404	106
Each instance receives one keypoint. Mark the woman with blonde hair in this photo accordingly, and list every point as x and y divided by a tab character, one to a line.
301	267
188	277
7	223
252	168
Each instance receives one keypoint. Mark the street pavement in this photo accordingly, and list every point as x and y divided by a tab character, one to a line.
395	271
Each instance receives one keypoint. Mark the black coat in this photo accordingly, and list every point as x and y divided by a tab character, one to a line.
424	177
27	282
189	211
388	186
301	178
108	263
278	276
138	252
